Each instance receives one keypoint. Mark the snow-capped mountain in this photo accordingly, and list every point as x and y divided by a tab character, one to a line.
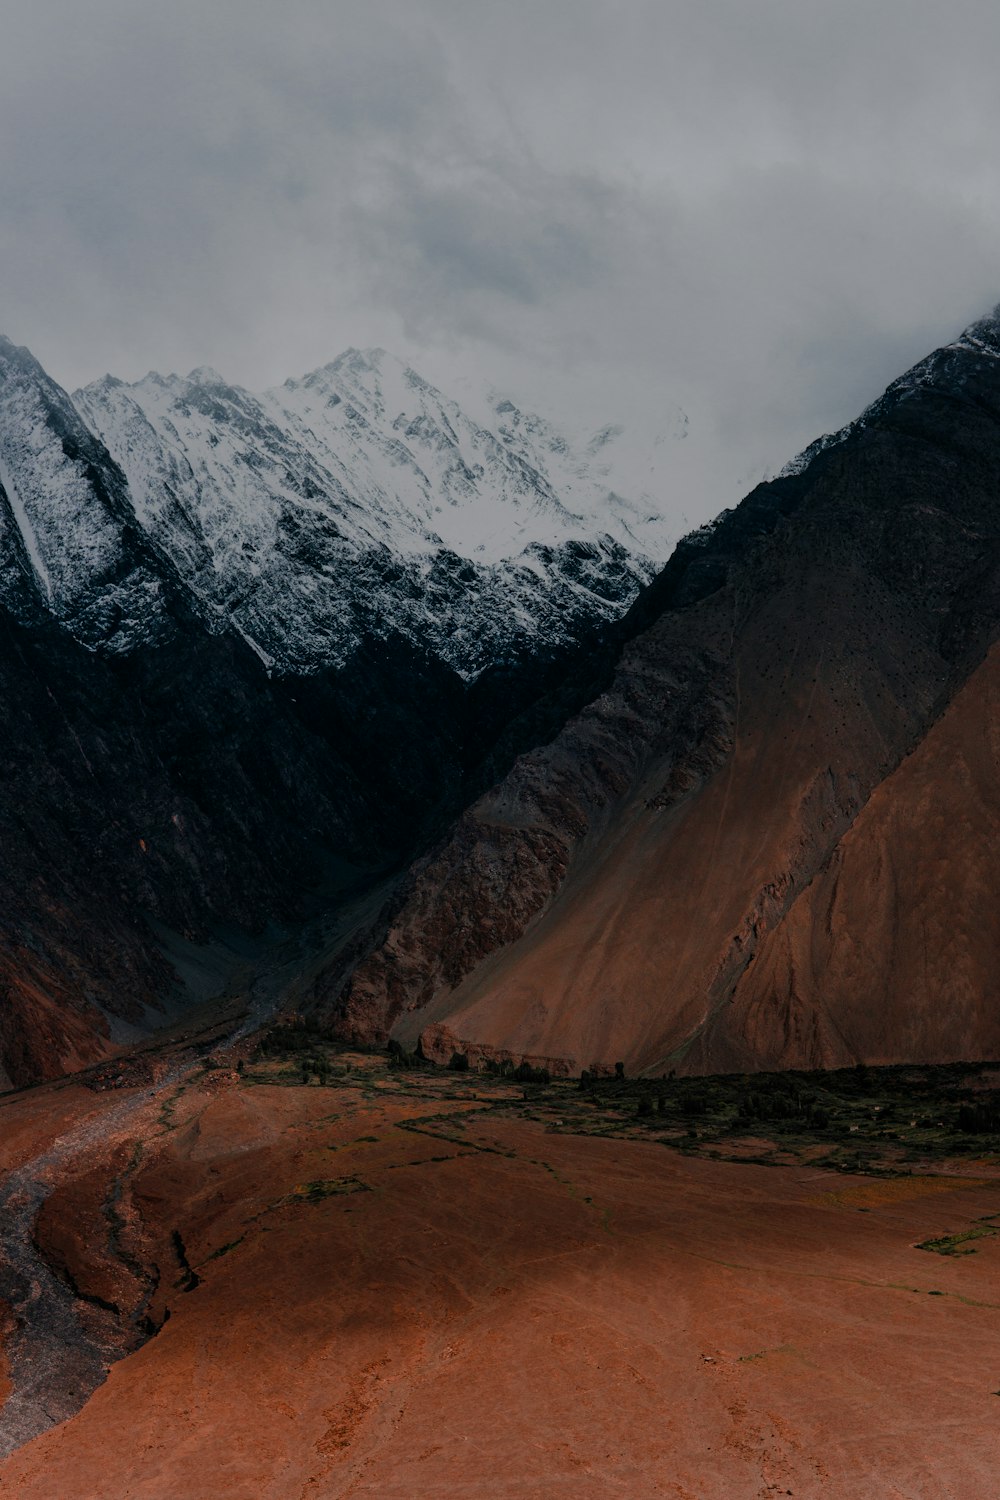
375	546
68	541
945	368
359	502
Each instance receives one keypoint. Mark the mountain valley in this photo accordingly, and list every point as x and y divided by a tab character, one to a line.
494	1002
245	673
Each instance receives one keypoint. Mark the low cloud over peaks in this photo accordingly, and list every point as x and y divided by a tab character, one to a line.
758	214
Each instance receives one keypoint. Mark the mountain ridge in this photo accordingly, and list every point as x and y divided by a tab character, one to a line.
607	900
613	816
489	541
191	747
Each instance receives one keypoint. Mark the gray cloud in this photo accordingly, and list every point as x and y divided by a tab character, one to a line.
762	210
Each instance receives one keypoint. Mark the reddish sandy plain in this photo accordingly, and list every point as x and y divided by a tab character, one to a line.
469	1302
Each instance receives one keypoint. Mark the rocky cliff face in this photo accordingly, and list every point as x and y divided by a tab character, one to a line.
763	842
243	658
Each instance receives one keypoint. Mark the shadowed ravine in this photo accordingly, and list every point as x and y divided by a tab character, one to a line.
55	1363
55	1360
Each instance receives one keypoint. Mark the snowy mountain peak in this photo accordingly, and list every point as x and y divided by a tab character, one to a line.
361	360
983	336
947	369
352	504
205	375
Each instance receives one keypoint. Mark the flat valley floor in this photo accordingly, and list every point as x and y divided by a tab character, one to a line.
412	1286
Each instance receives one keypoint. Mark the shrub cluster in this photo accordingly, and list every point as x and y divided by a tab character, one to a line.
981	1117
400	1058
318	1067
522	1072
779	1098
298	1034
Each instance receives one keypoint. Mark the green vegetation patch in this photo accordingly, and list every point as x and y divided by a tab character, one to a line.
952	1244
165	1119
328	1187
886	1121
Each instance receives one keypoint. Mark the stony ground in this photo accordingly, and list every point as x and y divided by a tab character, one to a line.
408	1283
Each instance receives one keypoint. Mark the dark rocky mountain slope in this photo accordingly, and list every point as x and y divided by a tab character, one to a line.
192	750
766	841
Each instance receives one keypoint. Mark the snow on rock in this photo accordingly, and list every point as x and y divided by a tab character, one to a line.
68	538
65	517
359	501
947	368
352	505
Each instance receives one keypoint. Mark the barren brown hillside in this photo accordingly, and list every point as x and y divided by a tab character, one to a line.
654	886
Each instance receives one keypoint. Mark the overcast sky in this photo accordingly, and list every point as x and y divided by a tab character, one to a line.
759	211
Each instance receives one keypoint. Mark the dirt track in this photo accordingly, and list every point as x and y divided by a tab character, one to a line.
402	1296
